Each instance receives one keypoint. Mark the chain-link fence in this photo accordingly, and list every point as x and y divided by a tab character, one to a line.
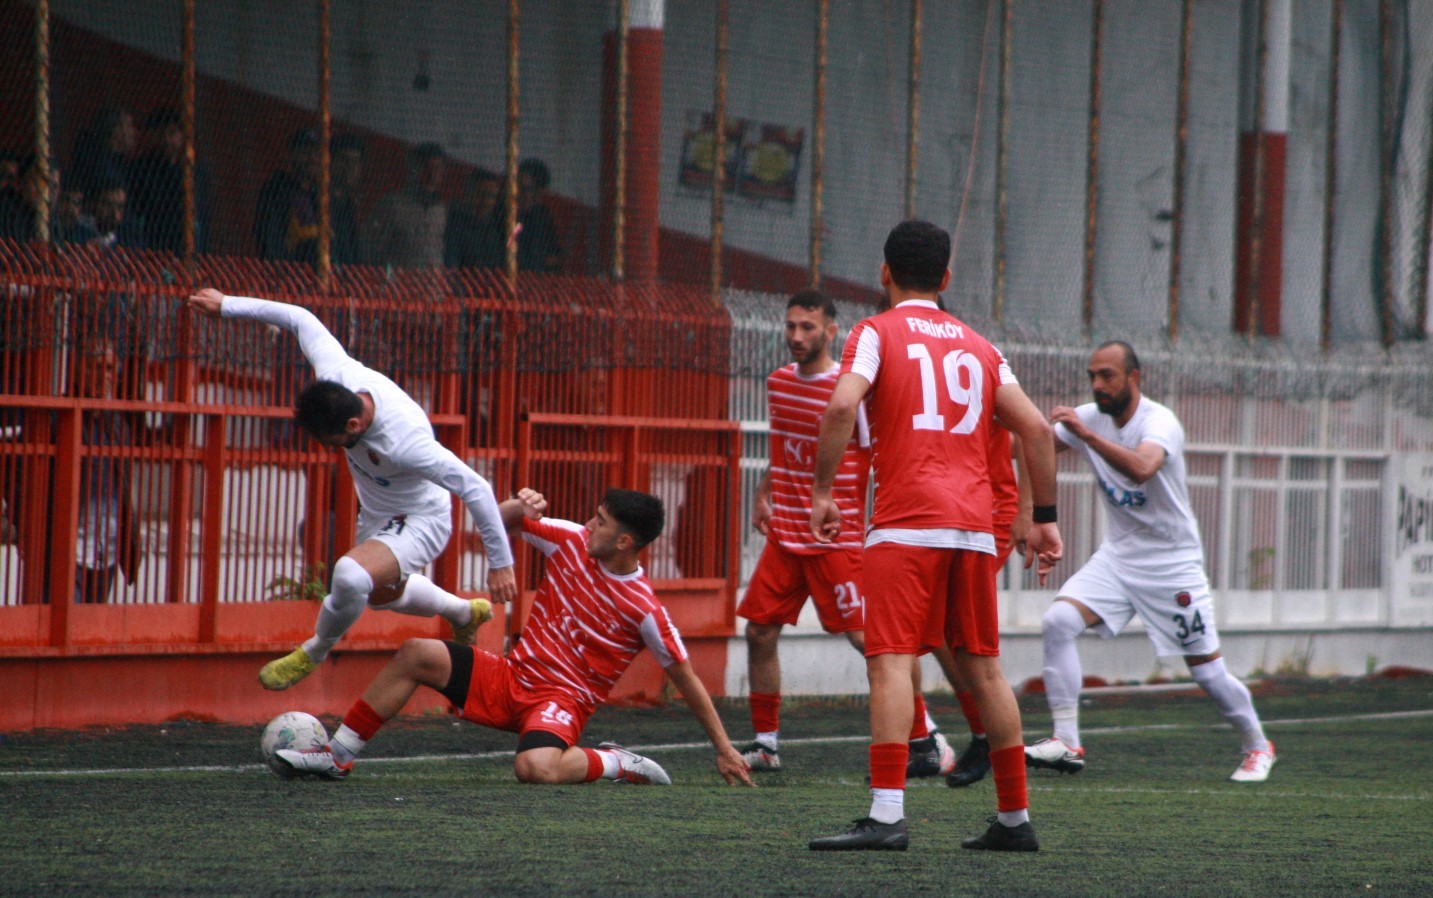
1103	164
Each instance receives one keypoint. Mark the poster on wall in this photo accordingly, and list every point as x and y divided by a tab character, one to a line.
770	164
699	151
1411	575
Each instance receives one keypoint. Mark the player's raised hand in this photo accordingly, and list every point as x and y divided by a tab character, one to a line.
733	767
502	584
1063	414
534	504
825	518
207	301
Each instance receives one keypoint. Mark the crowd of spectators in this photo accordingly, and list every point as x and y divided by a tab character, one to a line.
123	186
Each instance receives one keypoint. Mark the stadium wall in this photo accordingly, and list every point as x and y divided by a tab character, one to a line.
262	57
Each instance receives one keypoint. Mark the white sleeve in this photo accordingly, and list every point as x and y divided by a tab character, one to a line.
867	360
319	346
448	471
1164	430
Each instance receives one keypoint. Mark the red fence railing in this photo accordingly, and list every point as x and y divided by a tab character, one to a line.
165	439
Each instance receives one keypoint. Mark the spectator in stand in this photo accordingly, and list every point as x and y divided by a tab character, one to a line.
69	222
406	229
19	204
107	538
157	196
286	222
474	237
104	154
538	247
113	227
345	174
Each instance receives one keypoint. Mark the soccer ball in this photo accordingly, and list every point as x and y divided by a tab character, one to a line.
291	729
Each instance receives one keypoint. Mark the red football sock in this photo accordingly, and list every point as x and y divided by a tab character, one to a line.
1008	766
888	764
918	728
594	764
765	711
363	720
971	710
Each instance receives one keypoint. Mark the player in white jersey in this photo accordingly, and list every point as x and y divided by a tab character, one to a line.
403	477
1151	563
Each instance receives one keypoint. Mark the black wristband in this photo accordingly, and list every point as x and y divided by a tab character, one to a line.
1043	514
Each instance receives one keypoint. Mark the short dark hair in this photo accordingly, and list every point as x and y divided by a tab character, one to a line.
639	514
812	299
1131	360
541	176
324	407
918	255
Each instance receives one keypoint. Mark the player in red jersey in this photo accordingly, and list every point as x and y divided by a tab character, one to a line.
933	389
594	611
794	565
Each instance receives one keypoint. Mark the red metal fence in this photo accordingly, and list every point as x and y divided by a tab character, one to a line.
121	414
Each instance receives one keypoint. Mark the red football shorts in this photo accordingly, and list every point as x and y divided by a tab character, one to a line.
919	598
497	700
783	580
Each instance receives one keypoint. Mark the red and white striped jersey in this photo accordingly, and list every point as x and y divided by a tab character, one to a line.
931	404
796	404
587	624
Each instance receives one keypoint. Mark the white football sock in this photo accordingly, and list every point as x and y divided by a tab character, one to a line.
348	596
888	805
422	597
345	744
768	739
1233	700
1013	818
611	764
1060	626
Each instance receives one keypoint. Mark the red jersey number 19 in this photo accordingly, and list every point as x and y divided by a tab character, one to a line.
970	396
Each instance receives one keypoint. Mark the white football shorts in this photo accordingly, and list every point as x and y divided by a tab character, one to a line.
416	539
1172	598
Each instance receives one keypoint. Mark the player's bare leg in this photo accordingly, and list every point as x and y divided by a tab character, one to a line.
930	753
973	764
1011	830
892	707
418	662
763	668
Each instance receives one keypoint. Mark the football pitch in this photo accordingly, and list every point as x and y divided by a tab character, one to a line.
432	809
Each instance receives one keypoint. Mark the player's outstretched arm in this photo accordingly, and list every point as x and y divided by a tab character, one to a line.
319	346
730	764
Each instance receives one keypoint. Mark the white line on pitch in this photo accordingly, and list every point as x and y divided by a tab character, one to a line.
685	746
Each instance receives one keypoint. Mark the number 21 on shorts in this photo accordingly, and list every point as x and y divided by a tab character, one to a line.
848	598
